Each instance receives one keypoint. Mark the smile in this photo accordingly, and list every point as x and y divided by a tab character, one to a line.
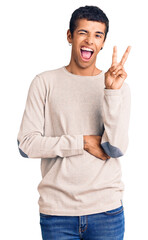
86	53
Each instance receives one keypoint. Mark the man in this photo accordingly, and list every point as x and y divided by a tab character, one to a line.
76	120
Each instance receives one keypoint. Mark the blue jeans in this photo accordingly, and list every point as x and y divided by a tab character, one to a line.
109	225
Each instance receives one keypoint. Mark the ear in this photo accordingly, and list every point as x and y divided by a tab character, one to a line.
69	37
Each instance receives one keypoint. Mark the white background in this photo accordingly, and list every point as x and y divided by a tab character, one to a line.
33	39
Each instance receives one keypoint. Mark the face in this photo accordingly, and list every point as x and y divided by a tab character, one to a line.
88	39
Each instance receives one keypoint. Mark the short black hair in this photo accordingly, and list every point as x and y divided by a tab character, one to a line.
91	13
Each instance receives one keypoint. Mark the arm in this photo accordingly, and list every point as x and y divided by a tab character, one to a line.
116	116
116	108
32	143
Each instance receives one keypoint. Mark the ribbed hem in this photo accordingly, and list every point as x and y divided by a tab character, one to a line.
112	92
80	212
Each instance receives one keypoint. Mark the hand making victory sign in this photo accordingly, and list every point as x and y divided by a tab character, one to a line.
116	74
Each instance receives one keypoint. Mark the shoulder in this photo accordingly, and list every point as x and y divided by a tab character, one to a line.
44	79
49	73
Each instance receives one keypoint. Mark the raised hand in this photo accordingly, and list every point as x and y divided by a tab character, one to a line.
116	74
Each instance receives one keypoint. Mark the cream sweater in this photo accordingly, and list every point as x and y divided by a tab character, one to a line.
61	107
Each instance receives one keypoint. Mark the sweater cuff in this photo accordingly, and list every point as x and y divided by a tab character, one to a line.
80	143
112	92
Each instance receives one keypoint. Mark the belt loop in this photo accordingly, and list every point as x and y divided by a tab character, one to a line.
121	202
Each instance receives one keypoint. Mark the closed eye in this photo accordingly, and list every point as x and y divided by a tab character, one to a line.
99	36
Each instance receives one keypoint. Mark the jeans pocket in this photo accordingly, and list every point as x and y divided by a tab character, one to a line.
115	211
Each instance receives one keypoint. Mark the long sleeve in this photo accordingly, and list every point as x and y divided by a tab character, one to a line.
116	116
32	143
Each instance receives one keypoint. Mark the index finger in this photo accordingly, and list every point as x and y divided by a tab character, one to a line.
114	56
125	55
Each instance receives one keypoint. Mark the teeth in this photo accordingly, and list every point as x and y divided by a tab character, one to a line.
87	49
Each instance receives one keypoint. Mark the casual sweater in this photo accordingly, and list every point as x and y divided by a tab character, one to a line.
60	108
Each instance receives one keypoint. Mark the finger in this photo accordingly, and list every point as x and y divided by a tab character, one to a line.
121	73
104	154
125	55
119	67
114	56
105	157
114	68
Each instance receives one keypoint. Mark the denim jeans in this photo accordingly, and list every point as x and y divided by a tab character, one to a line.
109	225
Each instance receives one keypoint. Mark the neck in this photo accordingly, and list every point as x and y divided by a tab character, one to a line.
83	71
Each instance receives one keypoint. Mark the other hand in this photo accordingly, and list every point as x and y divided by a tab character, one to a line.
92	144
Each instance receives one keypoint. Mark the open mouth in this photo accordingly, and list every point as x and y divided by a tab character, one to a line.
86	53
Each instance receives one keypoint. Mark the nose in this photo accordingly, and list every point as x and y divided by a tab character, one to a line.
89	40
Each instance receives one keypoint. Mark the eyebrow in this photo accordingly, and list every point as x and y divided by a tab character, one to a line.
87	31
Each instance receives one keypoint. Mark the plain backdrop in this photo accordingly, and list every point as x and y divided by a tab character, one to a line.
33	39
